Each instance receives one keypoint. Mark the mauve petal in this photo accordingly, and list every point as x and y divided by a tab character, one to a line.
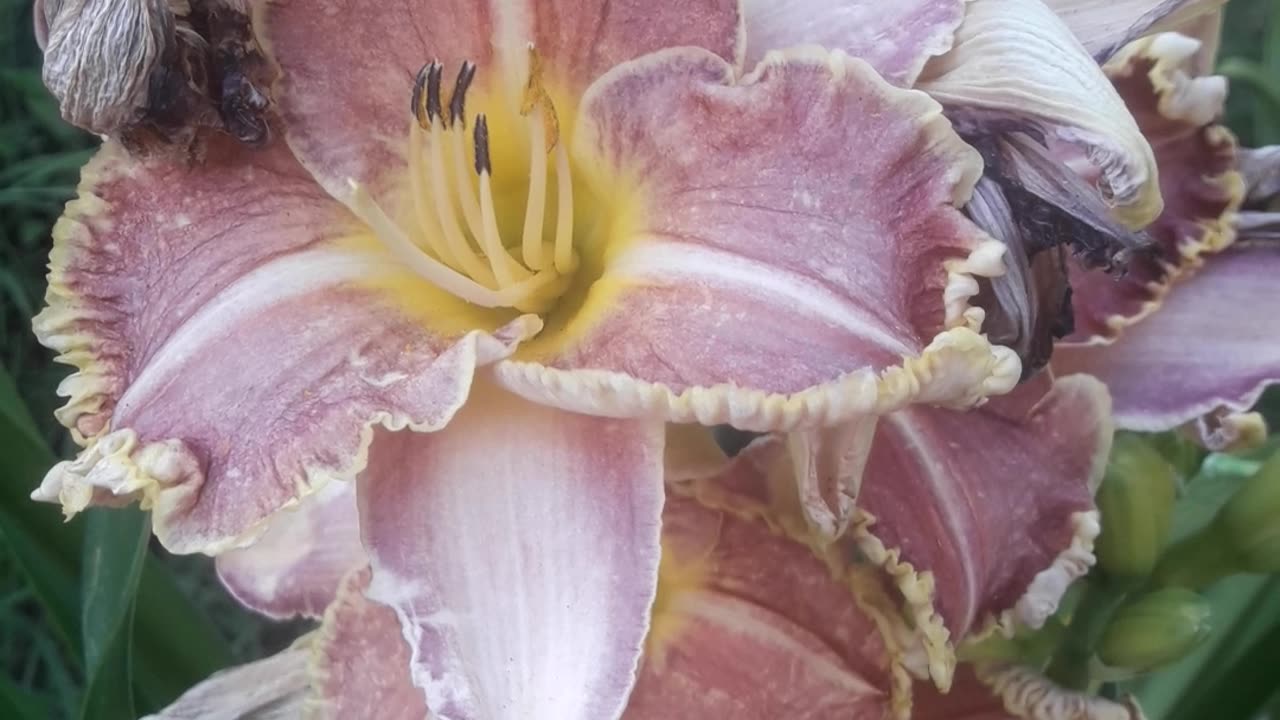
751	624
894	38
1210	344
995	505
823	273
519	548
295	567
1015	63
346	72
1202	190
1014	693
232	348
347	67
360	664
1105	26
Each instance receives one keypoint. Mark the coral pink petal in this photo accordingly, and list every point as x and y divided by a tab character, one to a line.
519	548
894	38
1210	344
995	503
360	665
231	352
733	589
296	566
826	251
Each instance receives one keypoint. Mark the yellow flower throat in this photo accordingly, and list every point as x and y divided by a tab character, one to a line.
459	244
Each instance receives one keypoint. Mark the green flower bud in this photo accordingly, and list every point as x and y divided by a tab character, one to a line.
1155	629
1244	536
1136	501
1250	521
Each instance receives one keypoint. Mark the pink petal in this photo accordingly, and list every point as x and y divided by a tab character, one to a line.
941	498
231	350
1210	344
519	548
1202	190
361	662
1015	693
752	625
896	39
783	288
295	567
347	68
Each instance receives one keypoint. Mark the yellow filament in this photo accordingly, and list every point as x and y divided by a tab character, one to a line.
504	266
417	184
531	239
439	274
457	243
564	212
442	276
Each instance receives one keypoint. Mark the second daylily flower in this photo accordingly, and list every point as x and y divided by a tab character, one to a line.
503	248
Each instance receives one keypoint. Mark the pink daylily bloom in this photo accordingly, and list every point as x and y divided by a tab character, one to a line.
491	252
1183	336
754	617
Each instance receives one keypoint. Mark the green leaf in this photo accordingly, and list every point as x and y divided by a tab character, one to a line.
44	548
114	550
18	704
169	663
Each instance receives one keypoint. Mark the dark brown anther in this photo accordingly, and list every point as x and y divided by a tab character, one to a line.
416	105
458	103
435	71
482	146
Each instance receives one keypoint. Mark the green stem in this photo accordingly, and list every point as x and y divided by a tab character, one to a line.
1069	667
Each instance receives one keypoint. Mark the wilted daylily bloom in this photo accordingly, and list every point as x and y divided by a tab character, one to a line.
756	617
491	254
1183	335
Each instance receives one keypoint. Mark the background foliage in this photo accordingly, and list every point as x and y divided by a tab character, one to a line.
96	622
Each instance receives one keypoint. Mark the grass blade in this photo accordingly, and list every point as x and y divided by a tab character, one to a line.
114	551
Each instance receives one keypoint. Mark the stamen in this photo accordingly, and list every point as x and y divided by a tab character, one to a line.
434	271
459	248
491	241
535	206
457	142
418	186
458	103
435	73
564	262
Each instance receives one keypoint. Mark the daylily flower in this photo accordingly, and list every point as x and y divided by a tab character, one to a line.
491	254
755	617
1182	337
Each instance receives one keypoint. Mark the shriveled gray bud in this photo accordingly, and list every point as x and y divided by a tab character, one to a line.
1029	306
99	56
1261	170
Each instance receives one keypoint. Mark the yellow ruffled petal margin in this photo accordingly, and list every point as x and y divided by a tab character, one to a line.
65	324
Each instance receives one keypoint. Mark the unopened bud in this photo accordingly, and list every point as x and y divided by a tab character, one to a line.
1155	629
1136	501
1250	521
1244	537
